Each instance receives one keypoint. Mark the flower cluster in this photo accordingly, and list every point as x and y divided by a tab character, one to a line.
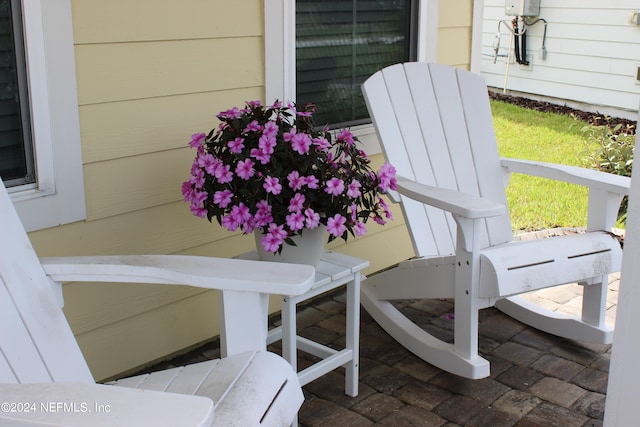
269	168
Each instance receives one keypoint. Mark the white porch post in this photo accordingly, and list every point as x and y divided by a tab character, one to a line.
624	374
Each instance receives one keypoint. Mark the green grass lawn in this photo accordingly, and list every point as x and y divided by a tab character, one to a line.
538	203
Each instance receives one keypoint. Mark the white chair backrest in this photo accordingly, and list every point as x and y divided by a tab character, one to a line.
36	342
435	126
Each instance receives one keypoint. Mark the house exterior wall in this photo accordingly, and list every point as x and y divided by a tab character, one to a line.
593	54
455	19
148	77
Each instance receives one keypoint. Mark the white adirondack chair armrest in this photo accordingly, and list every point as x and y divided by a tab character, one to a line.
460	204
86	404
572	174
204	272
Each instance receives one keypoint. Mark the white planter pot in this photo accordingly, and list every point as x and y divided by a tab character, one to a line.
308	250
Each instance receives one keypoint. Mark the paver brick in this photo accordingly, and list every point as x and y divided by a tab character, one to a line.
377	406
558	392
557	367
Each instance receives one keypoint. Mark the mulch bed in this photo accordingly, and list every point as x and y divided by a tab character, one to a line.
596	119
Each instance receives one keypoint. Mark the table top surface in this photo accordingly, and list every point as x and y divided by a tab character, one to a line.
332	266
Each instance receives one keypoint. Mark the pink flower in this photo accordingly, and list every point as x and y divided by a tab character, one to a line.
223	174
272	185
353	189
360	229
263	207
274	237
295	181
295	221
197	139
335	186
311	181
222	198
336	225
322	143
267	143
354	212
187	191
270	129
301	143
387	177
263	215
254	126
229	222
197	178
207	161
233	113
312	218
198	211
345	136
236	145
245	169
385	208
296	203
260	155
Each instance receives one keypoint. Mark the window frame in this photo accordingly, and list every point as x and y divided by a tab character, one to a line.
58	195
280	52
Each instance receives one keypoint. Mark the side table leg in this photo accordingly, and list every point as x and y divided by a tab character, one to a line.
353	335
289	351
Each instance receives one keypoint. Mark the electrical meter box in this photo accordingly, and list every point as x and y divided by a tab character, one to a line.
522	7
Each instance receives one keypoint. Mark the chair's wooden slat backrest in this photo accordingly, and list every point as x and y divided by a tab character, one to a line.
36	342
429	119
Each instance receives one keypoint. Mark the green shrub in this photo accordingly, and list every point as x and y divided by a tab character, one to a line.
614	154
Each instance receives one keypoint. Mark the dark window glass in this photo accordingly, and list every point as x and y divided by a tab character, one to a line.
340	43
16	153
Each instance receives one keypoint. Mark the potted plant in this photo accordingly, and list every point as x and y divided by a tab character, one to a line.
269	169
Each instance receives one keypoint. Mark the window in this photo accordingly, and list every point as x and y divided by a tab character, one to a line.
280	49
16	153
56	195
339	44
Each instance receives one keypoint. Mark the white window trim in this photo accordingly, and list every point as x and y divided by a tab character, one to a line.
280	55
58	196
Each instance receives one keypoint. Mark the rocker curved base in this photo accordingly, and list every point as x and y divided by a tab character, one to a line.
554	323
417	340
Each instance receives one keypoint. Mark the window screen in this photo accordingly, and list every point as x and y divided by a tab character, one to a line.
339	44
16	154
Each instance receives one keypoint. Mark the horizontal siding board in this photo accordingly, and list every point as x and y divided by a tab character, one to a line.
592	53
136	183
125	71
130	128
154	335
164	229
99	21
94	305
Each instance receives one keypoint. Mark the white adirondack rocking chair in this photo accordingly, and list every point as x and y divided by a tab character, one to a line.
41	363
435	126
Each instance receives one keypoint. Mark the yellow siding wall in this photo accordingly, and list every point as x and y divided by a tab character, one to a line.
151	73
454	32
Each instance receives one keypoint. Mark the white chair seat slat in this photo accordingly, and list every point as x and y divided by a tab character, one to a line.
191	377
518	267
267	378
220	376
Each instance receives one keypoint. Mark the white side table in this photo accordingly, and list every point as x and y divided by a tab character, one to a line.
333	270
